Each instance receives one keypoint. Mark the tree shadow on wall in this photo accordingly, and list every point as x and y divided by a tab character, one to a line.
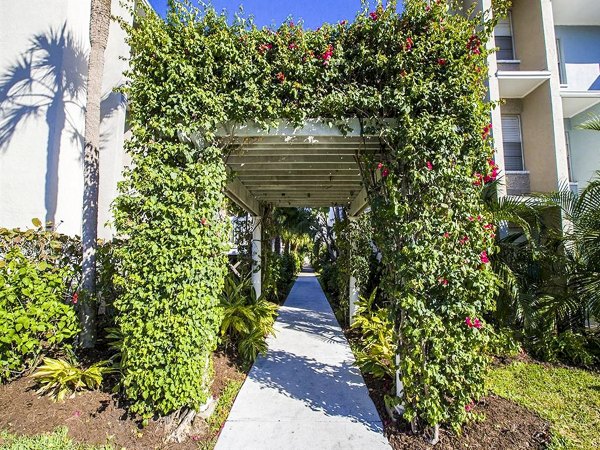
49	80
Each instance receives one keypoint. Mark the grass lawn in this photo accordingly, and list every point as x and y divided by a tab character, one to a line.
568	398
57	440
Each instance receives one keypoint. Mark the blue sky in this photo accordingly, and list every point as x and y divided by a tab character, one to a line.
274	12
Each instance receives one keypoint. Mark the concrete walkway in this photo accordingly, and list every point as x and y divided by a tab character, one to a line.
306	393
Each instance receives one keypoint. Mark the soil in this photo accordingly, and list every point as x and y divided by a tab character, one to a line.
96	417
506	425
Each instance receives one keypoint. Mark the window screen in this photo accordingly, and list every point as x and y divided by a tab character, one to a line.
513	147
504	40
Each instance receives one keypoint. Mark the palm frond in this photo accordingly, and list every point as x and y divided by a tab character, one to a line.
592	124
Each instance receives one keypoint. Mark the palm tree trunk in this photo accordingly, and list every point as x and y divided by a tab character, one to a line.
99	28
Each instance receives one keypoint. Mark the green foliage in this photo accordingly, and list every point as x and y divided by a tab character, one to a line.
247	320
424	70
378	340
593	124
35	314
57	440
60	378
568	398
569	347
502	343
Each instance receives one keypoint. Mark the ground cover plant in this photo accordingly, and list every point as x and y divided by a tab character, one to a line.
423	72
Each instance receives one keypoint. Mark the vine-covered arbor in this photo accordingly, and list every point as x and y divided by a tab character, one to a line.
398	101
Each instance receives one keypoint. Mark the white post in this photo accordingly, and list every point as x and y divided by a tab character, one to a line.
353	298
256	254
354	289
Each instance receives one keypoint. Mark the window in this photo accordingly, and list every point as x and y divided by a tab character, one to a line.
561	66
504	40
513	147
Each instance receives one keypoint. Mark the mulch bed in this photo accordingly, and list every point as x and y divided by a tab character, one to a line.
96	417
506	425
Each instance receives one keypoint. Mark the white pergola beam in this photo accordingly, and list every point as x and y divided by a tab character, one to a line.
238	193
359	204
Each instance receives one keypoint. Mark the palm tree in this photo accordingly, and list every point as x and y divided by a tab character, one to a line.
99	29
592	124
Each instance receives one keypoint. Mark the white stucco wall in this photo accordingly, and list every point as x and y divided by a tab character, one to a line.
43	52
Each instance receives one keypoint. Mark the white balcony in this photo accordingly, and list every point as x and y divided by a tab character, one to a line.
519	84
577	102
576	12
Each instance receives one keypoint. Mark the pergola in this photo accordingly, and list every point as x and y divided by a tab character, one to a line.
315	165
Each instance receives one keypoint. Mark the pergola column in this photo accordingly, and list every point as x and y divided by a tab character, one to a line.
353	286
257	255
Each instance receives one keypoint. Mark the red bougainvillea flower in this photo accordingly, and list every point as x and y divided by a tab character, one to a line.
442	61
385	172
477	323
486	131
203	221
75	298
464	240
343	23
326	56
280	77
373	15
429	165
469	407
292	46
409	44
474	45
468	322
380	166
478	179
446	235
489	226
443	281
483	256
262	48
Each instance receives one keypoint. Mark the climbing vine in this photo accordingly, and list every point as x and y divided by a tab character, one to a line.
416	79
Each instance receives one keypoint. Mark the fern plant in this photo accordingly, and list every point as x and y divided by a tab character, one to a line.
247	320
377	351
60	378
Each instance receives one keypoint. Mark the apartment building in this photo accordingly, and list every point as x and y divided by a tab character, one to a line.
547	76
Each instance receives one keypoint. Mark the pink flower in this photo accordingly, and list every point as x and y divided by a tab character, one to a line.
464	240
471	218
443	281
486	131
469	407
280	77
468	322
409	44
75	298
343	23
385	173
477	323
442	61
446	235
292	46
262	48
327	55
483	256
373	15
429	165
380	166
488	226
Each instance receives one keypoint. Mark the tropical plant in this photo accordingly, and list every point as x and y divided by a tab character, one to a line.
247	320
378	338
592	124
59	378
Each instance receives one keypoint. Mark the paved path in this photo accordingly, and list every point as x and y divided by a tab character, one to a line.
306	393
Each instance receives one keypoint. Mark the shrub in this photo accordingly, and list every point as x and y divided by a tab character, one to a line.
378	339
35	317
503	343
59	378
568	347
247	320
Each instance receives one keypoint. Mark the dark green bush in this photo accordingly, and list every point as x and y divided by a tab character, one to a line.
35	315
569	347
